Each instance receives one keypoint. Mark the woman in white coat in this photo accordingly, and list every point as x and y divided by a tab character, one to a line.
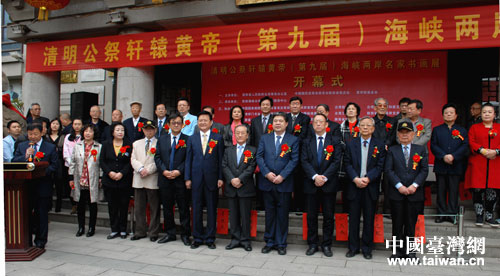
85	175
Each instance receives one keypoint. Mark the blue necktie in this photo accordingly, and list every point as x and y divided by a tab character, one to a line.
365	143
278	144
238	154
320	150
160	128
172	154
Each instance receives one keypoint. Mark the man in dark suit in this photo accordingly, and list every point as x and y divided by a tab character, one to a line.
40	190
332	127
133	128
203	174
364	159
277	157
321	155
66	123
116	117
449	144
95	119
406	166
218	126
238	166
170	159
161	119
298	126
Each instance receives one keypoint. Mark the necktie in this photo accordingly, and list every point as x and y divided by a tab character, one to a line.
172	154
147	146
160	127
35	146
264	125
204	143
320	150
293	120
406	154
238	155
365	143
278	144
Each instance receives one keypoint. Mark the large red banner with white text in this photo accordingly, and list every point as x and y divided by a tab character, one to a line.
469	27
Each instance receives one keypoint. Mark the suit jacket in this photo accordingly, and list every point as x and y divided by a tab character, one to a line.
443	143
303	120
44	184
204	169
424	137
109	162
328	168
243	171
334	130
374	167
141	159
131	131
397	171
382	133
228	135
76	169
216	125
162	160
269	161
257	129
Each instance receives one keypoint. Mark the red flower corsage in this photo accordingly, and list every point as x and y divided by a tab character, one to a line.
375	152
152	151
420	129
181	144
328	129
211	145
416	159
166	127
388	126
248	155
123	150
492	133
269	128
284	150
39	156
215	130
456	134
355	132
297	128
94	154
140	125
328	152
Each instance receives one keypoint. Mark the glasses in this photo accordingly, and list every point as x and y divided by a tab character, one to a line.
176	123
365	125
381	105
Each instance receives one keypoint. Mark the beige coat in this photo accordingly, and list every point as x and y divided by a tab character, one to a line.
76	168
140	160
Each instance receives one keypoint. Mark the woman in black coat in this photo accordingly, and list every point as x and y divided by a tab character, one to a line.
117	179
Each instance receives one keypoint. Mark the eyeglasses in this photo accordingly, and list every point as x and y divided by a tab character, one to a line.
176	123
381	105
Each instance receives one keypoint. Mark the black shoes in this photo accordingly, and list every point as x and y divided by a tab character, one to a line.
367	255
266	249
186	240
247	247
232	245
311	250
136	237
167	238
153	238
351	254
123	235
91	232
211	245
195	245
282	250
479	220
327	251
80	232
113	235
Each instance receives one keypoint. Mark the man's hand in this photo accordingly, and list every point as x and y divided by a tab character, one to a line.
119	176
112	175
188	184
319	180
278	180
271	176
411	190
490	154
220	183
29	151
359	182
403	190
448	159
144	173
175	173
167	174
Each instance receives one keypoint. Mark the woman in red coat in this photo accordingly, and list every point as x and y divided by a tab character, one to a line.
484	165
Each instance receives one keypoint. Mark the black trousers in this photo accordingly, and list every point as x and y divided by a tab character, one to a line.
298	190
447	185
239	218
200	195
118	201
39	217
368	206
485	202
386	209
313	201
277	206
82	203
404	218
169	196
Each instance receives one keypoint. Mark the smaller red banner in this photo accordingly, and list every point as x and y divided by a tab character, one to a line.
304	226
420	227
378	233
465	194
253	223
222	221
428	196
342	227
148	214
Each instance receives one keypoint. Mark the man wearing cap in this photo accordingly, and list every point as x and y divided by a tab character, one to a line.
406	167
134	124
145	183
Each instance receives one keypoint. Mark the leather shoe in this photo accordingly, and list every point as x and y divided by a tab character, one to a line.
439	220
195	245
136	237
113	235
351	254
311	250
80	232
153	239
232	245
266	249
167	238
91	232
327	251
211	245
123	236
282	250
186	240
247	247
39	245
367	255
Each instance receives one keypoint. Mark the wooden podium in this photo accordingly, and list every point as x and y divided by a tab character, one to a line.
17	214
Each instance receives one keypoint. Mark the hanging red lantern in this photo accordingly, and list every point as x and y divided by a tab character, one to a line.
45	6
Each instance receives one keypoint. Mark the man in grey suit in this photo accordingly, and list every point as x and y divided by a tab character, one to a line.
422	126
238	165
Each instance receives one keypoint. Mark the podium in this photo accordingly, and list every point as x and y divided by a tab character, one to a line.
17	178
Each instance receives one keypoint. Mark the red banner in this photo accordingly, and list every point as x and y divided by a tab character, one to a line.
469	27
304	226
378	233
341	227
428	196
465	194
253	223
222	221
420	227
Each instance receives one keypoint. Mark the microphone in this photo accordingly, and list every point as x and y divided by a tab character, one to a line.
30	157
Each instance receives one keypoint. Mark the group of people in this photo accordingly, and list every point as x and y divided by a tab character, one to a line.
288	161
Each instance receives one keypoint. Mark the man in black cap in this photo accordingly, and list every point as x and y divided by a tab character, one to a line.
406	166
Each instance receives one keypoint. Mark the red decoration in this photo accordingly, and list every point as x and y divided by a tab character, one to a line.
456	134
297	128
341	226
420	227
123	149
493	133
378	232
181	144
304	226
329	150
328	129
187	122
284	150
248	155
94	154
222	221
416	159
39	156
253	223
211	145
166	127
46	5
375	152
269	128
388	126
428	196
355	131
140	125
420	129
215	130
152	150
